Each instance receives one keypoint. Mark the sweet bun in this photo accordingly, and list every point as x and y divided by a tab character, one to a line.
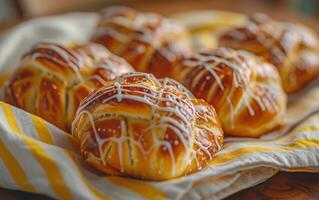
149	42
146	128
244	90
52	79
292	48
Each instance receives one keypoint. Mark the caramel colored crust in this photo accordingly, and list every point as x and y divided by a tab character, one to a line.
52	79
245	91
146	128
293	49
147	41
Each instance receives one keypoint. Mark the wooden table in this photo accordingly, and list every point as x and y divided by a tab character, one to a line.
284	185
299	186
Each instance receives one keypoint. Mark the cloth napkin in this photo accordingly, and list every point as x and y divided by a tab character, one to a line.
38	157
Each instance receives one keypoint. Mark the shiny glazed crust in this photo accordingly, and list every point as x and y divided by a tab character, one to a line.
292	48
149	42
52	79
245	91
146	128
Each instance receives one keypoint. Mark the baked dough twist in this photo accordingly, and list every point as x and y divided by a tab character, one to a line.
146	128
244	90
52	79
149	42
292	48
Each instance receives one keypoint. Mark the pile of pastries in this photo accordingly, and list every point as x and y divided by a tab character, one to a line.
143	102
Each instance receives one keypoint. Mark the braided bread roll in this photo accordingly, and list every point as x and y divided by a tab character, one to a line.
293	49
146	128
149	42
52	79
244	90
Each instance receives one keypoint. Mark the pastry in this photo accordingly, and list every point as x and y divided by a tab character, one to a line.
149	42
146	128
292	48
244	90
52	79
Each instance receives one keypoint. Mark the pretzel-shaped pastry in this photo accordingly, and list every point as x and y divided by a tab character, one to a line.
146	128
149	42
292	48
52	79
245	91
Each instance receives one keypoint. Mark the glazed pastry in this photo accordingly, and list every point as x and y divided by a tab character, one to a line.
146	128
52	79
244	90
293	49
149	42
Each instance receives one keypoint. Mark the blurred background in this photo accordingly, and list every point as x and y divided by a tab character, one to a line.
13	12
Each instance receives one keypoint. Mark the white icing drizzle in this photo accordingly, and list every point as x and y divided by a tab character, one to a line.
268	32
96	135
76	67
232	114
97	78
242	70
168	81
169	111
90	56
72	59
141	25
268	42
119	90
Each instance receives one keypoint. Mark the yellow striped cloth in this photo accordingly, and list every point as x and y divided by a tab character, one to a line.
36	156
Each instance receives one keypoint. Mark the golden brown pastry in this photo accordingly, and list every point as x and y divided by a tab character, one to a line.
292	48
244	90
149	42
52	79
146	128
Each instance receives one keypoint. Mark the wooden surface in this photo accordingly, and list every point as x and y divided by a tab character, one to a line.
299	186
296	186
284	185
